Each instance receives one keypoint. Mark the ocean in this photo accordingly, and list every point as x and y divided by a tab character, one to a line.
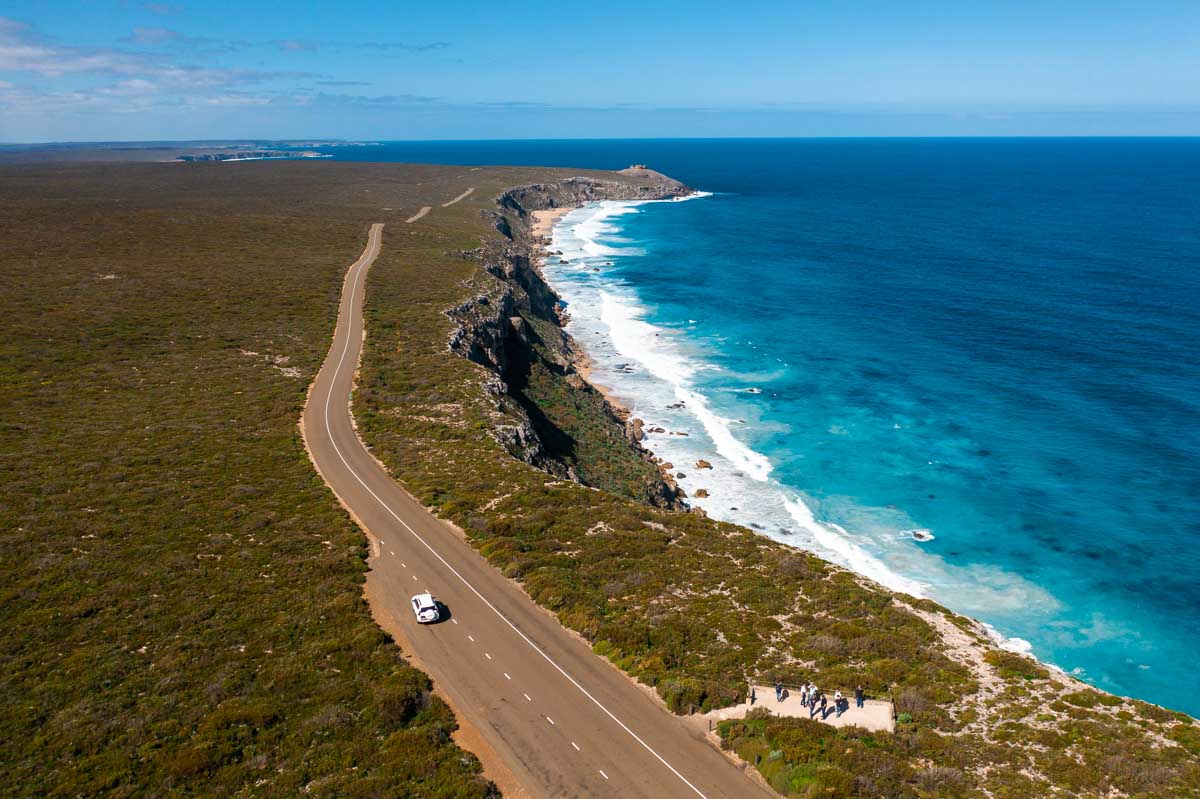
966	368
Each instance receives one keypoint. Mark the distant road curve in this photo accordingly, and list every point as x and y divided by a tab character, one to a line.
462	196
418	214
560	719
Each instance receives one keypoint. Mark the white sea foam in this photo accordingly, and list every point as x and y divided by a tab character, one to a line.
646	344
835	538
1011	644
609	319
664	376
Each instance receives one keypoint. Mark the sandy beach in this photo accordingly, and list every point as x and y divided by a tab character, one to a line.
545	220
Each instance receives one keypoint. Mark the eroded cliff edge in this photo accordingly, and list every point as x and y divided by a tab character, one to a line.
552	417
694	607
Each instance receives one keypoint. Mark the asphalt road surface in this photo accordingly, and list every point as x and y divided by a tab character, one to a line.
562	720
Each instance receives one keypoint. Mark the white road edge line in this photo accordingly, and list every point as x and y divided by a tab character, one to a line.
375	238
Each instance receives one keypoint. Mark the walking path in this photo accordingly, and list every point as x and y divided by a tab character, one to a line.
419	214
875	714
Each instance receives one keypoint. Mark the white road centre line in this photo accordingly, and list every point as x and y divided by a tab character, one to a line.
393	554
472	638
358	270
552	724
602	774
506	676
486	655
405	565
527	699
454	620
577	749
414	576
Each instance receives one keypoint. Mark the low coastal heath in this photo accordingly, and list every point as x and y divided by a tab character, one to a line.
702	417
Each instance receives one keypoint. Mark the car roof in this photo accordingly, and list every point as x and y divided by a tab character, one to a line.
423	599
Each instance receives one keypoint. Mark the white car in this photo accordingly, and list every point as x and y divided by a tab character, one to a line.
425	607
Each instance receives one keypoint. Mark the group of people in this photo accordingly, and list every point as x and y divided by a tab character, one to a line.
816	701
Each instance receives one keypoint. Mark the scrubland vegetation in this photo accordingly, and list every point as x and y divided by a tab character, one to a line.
182	608
695	607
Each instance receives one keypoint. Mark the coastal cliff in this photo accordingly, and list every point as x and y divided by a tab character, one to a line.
545	479
514	328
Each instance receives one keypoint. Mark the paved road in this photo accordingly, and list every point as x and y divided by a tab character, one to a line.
462	196
564	721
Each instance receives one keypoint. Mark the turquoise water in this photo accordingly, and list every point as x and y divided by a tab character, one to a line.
986	344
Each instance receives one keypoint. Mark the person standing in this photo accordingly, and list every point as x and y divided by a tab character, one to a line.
804	695
837	702
778	691
824	705
812	706
858	696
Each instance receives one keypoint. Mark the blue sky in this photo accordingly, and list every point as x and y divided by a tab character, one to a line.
89	70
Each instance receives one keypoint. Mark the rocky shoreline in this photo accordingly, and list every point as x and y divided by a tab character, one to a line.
980	697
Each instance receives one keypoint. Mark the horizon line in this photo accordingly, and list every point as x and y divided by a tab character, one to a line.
368	141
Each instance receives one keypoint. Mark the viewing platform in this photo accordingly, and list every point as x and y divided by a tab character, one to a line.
875	714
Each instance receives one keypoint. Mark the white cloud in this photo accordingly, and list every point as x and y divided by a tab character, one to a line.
297	45
154	36
132	87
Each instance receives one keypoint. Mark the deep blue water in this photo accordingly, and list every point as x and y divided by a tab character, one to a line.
994	341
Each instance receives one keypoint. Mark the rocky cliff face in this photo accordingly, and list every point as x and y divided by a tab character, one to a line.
512	325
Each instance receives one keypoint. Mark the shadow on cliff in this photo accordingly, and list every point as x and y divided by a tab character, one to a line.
522	356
